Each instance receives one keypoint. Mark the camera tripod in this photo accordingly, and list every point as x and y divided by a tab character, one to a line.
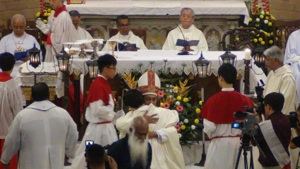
245	147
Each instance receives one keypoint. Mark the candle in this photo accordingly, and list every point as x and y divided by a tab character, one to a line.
248	54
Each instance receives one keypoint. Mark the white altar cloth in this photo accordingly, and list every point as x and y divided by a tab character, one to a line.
161	8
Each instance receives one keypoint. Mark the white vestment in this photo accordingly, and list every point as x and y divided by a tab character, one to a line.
43	134
222	152
131	38
62	30
192	33
10	42
166	150
282	80
11	102
292	57
82	34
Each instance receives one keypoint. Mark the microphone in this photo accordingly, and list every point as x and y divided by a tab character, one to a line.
177	25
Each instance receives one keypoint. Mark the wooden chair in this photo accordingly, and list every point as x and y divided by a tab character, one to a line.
142	33
240	38
282	30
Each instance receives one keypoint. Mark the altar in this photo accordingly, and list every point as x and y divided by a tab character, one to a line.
214	18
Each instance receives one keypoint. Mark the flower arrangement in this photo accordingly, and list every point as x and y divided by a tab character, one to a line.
45	11
262	20
177	98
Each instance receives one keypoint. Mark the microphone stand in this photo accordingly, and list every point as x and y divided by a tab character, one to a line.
184	51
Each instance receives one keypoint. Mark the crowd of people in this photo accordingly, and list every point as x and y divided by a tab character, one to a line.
42	134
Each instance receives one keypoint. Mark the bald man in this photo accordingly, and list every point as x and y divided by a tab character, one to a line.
133	151
18	42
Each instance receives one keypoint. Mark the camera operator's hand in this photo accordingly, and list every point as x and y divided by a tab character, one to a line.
295	142
112	163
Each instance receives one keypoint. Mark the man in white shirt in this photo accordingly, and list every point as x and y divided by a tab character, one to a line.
125	34
186	31
18	42
42	134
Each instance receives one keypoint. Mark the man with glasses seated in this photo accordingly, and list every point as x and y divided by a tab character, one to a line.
125	36
18	42
186	31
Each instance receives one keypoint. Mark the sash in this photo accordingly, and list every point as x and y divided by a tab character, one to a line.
274	144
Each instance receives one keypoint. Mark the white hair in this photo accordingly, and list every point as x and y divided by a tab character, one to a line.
274	52
16	17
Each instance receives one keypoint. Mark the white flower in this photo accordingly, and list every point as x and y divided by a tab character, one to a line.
193	127
262	12
179	135
185	120
257	19
266	21
177	103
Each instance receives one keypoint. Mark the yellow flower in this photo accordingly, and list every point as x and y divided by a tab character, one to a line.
182	127
200	102
261	16
267	13
270	41
185	99
52	11
175	88
45	21
263	42
38	14
161	104
257	25
237	38
250	19
270	24
49	10
178	98
196	121
268	35
260	39
255	40
198	110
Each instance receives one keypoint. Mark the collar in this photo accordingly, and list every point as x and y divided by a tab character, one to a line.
282	70
60	10
4	76
125	37
42	105
227	89
188	29
102	76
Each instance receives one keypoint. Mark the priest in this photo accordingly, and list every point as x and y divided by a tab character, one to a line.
125	35
186	30
18	42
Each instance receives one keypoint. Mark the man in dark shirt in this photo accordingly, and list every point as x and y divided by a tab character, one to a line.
274	134
133	151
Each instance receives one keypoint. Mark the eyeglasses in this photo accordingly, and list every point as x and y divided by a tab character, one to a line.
124	25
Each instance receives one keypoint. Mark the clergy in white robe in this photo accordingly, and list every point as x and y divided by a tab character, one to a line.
100	111
18	41
292	57
125	35
42	134
61	30
280	79
186	31
166	150
82	34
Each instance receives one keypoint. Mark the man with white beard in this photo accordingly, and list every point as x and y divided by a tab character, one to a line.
133	151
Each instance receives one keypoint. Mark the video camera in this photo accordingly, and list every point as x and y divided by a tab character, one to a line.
293	119
249	125
260	105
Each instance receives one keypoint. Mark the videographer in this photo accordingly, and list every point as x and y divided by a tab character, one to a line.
274	134
295	142
218	115
96	158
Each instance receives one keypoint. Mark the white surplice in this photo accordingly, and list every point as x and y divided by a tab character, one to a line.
10	42
43	134
166	149
282	80
192	33
11	99
82	34
292	57
62	30
131	38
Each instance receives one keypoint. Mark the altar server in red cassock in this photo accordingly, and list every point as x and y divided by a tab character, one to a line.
11	100
218	115
99	111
